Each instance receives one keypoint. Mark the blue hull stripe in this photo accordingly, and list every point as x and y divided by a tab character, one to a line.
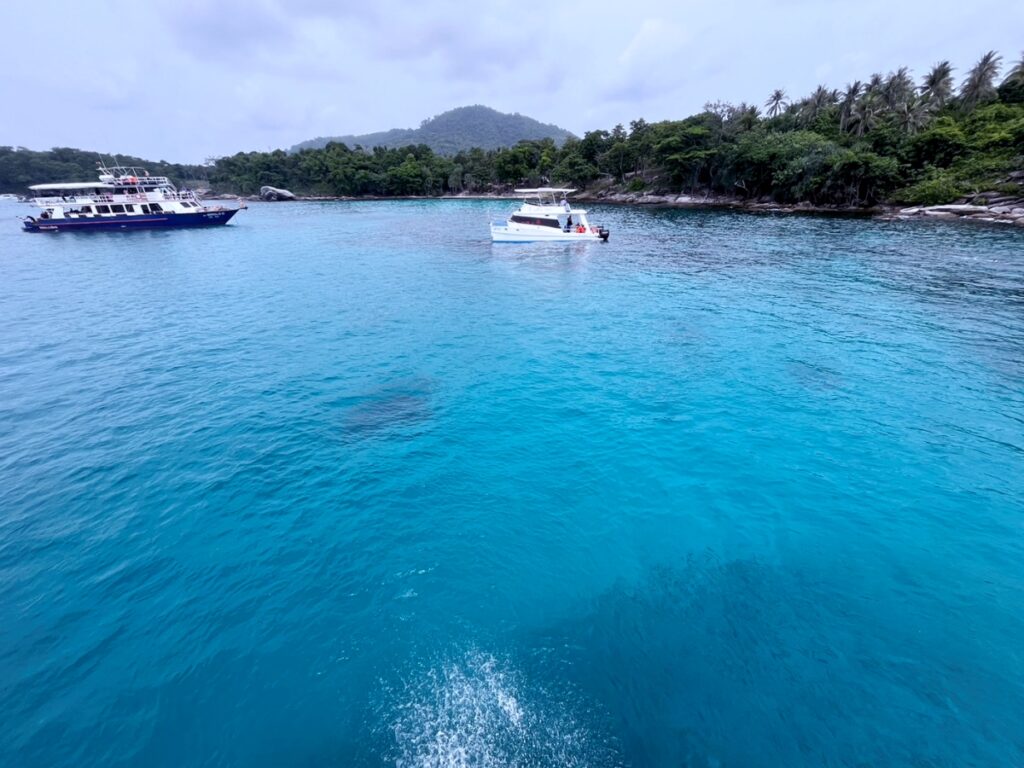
160	221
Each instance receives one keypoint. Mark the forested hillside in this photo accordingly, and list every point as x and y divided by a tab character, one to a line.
454	131
20	167
889	138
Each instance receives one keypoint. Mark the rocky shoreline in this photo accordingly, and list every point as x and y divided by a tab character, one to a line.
988	208
992	208
1011	212
722	201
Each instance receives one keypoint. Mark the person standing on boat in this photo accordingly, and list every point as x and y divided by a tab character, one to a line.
565	204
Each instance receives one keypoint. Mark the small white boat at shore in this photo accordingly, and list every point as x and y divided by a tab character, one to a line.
545	217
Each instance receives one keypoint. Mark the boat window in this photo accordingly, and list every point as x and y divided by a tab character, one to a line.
131	208
102	209
86	209
536	221
145	208
155	207
117	208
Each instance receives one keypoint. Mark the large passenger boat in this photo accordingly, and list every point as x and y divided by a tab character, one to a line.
542	217
123	198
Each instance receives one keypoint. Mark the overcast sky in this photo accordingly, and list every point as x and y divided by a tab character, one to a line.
184	80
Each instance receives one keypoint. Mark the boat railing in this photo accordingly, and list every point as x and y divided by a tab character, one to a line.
72	199
139	197
143	197
131	180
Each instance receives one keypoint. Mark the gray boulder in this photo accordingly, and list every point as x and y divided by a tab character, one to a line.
653	200
273	193
961	210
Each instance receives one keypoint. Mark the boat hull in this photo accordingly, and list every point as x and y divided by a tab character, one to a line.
201	218
505	234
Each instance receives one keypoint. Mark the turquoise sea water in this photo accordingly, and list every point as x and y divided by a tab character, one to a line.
344	484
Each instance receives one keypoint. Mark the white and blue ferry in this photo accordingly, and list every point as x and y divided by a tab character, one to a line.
123	198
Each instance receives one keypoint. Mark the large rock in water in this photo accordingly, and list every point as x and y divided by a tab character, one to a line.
273	193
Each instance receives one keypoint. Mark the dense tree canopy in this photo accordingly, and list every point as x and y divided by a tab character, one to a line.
888	138
20	167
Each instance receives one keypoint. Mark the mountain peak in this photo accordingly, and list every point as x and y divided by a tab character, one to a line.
453	131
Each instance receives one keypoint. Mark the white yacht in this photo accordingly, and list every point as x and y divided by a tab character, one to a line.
123	198
546	215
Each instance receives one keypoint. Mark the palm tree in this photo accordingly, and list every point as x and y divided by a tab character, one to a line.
875	84
864	116
979	85
1016	75
818	102
898	88
1012	88
849	98
937	85
913	115
776	103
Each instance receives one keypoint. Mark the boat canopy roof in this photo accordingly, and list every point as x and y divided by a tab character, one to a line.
545	191
72	185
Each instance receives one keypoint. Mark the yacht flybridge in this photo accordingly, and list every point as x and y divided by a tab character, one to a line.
123	198
547	215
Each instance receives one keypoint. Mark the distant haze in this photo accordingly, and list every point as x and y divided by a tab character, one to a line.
192	79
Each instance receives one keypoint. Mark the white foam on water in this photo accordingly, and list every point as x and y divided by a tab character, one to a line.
472	712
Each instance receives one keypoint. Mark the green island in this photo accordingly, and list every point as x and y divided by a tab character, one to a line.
889	140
